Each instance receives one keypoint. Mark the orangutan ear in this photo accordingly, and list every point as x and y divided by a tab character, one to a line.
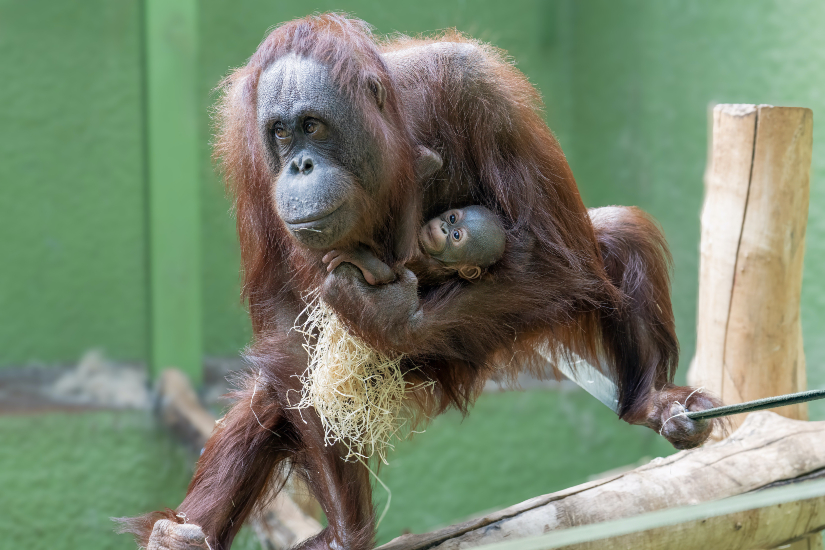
469	272
378	91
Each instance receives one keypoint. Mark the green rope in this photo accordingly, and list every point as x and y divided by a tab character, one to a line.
758	405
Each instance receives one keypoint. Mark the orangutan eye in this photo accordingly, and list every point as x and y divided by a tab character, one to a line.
279	131
456	235
315	129
452	218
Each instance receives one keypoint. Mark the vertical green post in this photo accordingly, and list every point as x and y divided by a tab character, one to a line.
174	194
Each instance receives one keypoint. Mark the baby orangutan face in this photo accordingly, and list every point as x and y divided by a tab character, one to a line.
466	239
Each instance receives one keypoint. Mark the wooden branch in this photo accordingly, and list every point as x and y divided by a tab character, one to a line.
749	337
180	409
282	523
745	522
765	450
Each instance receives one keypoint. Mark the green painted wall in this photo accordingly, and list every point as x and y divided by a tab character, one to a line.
628	86
75	270
173	185
643	77
72	198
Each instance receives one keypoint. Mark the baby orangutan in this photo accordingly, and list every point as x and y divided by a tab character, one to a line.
461	240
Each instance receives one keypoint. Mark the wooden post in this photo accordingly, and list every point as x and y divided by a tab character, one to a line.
749	342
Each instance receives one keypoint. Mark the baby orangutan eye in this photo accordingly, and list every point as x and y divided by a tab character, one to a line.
310	126
452	218
456	235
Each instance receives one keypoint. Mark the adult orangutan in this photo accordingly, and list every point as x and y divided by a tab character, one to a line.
331	139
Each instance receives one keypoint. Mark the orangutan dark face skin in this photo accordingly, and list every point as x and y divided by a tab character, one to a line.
318	147
470	236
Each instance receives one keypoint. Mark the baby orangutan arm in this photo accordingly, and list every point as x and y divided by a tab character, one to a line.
375	271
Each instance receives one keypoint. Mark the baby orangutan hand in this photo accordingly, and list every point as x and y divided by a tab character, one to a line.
374	270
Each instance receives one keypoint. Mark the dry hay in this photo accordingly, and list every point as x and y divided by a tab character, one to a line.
359	393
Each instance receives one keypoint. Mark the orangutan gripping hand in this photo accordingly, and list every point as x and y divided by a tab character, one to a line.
666	415
464	241
374	270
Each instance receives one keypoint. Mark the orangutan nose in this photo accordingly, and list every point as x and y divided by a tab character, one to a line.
444	228
303	164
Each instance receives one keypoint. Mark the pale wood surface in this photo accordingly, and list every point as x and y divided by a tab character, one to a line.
704	531
282	523
769	527
767	448
749	339
808	543
180	409
723	214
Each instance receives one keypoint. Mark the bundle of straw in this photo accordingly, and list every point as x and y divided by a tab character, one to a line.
359	393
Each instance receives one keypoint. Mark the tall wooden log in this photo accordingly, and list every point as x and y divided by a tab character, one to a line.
749	341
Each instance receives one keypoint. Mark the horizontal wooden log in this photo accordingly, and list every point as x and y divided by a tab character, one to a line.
772	518
765	450
282	523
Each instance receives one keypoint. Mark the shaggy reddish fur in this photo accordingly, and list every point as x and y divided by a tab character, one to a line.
596	285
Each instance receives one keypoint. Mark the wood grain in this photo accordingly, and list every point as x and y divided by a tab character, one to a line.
749	339
765	450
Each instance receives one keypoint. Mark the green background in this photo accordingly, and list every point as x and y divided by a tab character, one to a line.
628	87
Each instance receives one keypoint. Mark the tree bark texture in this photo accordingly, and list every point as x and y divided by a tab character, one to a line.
749	338
765	450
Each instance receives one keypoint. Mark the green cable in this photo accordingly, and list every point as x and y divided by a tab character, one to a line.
758	405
